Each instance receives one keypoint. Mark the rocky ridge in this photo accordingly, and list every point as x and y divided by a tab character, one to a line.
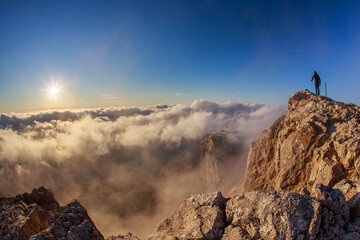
302	182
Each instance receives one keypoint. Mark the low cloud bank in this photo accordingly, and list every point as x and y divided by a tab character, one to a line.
129	166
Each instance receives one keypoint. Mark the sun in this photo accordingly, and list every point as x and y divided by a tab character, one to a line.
53	91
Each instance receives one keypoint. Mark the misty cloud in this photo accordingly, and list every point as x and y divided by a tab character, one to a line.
127	165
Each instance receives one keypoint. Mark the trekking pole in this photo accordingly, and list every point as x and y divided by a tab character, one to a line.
325	90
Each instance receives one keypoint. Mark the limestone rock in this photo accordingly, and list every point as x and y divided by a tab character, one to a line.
201	216
316	141
272	215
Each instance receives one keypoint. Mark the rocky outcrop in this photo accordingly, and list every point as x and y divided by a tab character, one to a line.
37	216
201	216
266	214
217	155
72	222
26	214
316	141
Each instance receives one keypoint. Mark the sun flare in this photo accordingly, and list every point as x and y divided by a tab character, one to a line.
53	91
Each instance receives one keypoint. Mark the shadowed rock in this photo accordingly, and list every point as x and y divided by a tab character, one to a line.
72	222
26	214
37	216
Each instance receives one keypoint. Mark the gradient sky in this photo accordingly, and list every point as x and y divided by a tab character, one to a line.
114	53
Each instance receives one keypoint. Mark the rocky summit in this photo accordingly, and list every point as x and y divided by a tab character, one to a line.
301	182
316	141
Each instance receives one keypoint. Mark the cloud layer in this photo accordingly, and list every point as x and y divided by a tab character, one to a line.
129	166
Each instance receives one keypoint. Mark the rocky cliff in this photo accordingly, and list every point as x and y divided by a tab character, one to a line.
316	141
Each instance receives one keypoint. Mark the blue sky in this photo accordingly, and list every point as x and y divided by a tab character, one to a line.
114	53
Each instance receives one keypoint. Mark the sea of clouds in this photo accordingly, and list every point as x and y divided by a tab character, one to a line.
129	166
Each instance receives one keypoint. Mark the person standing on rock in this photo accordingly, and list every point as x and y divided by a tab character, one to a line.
317	82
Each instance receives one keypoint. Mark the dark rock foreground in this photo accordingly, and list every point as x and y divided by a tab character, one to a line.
302	182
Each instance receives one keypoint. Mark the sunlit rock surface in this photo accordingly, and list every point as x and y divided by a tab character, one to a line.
201	216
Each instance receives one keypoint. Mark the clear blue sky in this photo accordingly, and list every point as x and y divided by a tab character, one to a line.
113	53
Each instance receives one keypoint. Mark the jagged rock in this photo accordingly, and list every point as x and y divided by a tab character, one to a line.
272	215
72	222
42	197
316	141
37	216
26	214
201	216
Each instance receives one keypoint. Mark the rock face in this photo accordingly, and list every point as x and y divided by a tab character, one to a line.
316	141
38	216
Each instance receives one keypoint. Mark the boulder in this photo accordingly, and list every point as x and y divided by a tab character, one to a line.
201	216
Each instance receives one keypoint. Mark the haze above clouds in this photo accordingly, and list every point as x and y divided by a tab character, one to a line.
129	166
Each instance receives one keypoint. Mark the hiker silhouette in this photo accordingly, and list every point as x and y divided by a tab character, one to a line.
317	82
